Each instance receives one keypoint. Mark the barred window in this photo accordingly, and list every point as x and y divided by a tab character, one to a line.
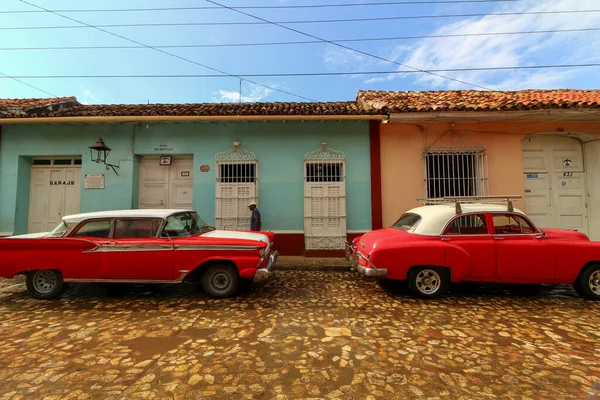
455	173
237	172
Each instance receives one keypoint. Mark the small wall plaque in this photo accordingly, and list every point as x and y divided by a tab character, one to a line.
185	173
165	160
204	168
94	181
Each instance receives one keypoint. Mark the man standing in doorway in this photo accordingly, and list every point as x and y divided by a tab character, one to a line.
255	222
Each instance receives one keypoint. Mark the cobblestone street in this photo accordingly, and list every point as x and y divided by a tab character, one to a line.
304	334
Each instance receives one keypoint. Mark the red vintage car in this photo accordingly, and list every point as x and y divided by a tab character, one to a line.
434	245
137	246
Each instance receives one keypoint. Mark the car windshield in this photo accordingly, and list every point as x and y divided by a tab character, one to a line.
184	224
59	231
407	222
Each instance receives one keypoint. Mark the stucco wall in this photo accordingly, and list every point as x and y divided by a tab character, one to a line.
279	148
402	148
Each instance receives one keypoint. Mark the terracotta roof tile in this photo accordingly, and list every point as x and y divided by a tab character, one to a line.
203	109
23	107
475	100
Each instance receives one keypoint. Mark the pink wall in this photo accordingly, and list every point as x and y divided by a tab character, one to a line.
402	147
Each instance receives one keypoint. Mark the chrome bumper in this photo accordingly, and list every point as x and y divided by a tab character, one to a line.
263	273
350	255
371	272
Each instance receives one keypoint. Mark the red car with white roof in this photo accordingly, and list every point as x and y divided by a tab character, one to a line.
137	246
434	245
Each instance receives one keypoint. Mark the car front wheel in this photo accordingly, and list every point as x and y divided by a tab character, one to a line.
429	282
221	281
588	283
45	284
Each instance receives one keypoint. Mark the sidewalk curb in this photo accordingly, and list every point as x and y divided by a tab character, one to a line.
325	268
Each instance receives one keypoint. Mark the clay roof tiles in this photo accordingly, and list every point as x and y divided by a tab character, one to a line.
476	100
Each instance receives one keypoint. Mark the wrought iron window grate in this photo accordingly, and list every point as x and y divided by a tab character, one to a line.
455	173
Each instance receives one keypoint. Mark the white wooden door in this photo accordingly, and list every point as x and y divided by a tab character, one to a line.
324	215
166	186
232	205
555	188
54	192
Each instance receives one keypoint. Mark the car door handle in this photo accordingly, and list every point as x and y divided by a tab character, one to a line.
446	239
498	238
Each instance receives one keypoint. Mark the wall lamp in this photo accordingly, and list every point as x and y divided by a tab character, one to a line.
99	151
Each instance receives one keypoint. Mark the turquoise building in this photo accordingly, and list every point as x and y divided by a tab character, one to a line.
307	165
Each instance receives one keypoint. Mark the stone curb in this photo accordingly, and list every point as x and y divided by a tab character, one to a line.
305	267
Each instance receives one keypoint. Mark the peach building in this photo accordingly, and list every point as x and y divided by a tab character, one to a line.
539	144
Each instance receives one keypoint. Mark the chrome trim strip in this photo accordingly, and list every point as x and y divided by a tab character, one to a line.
213	247
138	281
113	248
263	273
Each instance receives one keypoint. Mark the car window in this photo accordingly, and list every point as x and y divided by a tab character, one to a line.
407	222
59	231
136	228
98	229
512	224
473	224
183	224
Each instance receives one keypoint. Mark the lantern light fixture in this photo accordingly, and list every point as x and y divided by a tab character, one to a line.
99	151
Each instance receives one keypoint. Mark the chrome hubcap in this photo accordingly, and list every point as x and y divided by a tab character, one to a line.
221	281
44	281
595	282
428	281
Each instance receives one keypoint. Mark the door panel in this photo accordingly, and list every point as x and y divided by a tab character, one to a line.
135	259
555	184
525	257
54	193
164	186
481	250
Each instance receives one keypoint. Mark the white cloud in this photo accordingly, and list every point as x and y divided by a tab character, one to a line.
505	50
250	94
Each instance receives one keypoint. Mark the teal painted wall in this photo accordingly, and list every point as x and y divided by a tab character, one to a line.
279	147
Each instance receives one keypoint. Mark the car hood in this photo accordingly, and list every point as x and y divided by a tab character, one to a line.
29	235
553	233
237	235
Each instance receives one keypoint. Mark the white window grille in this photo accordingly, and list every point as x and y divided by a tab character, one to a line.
236	187
324	199
455	173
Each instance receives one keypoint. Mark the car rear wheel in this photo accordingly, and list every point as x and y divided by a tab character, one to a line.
429	282
45	284
221	281
588	283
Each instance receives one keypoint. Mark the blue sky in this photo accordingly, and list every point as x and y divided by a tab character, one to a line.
558	48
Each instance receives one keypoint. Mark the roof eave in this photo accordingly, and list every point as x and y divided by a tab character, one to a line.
192	118
546	115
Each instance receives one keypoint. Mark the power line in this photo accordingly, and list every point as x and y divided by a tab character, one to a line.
301	74
347	47
182	46
386	3
4	76
322	21
169	54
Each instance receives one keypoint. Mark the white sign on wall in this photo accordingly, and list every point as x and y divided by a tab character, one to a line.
94	181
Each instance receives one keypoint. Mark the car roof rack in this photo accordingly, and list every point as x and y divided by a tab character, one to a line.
472	199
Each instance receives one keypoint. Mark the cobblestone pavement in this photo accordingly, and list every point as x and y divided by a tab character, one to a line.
328	335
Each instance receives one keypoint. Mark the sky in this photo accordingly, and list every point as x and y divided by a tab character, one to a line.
25	53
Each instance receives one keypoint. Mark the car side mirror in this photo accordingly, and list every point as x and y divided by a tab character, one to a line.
165	235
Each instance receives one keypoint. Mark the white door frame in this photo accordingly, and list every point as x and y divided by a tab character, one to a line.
324	199
233	193
63	204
